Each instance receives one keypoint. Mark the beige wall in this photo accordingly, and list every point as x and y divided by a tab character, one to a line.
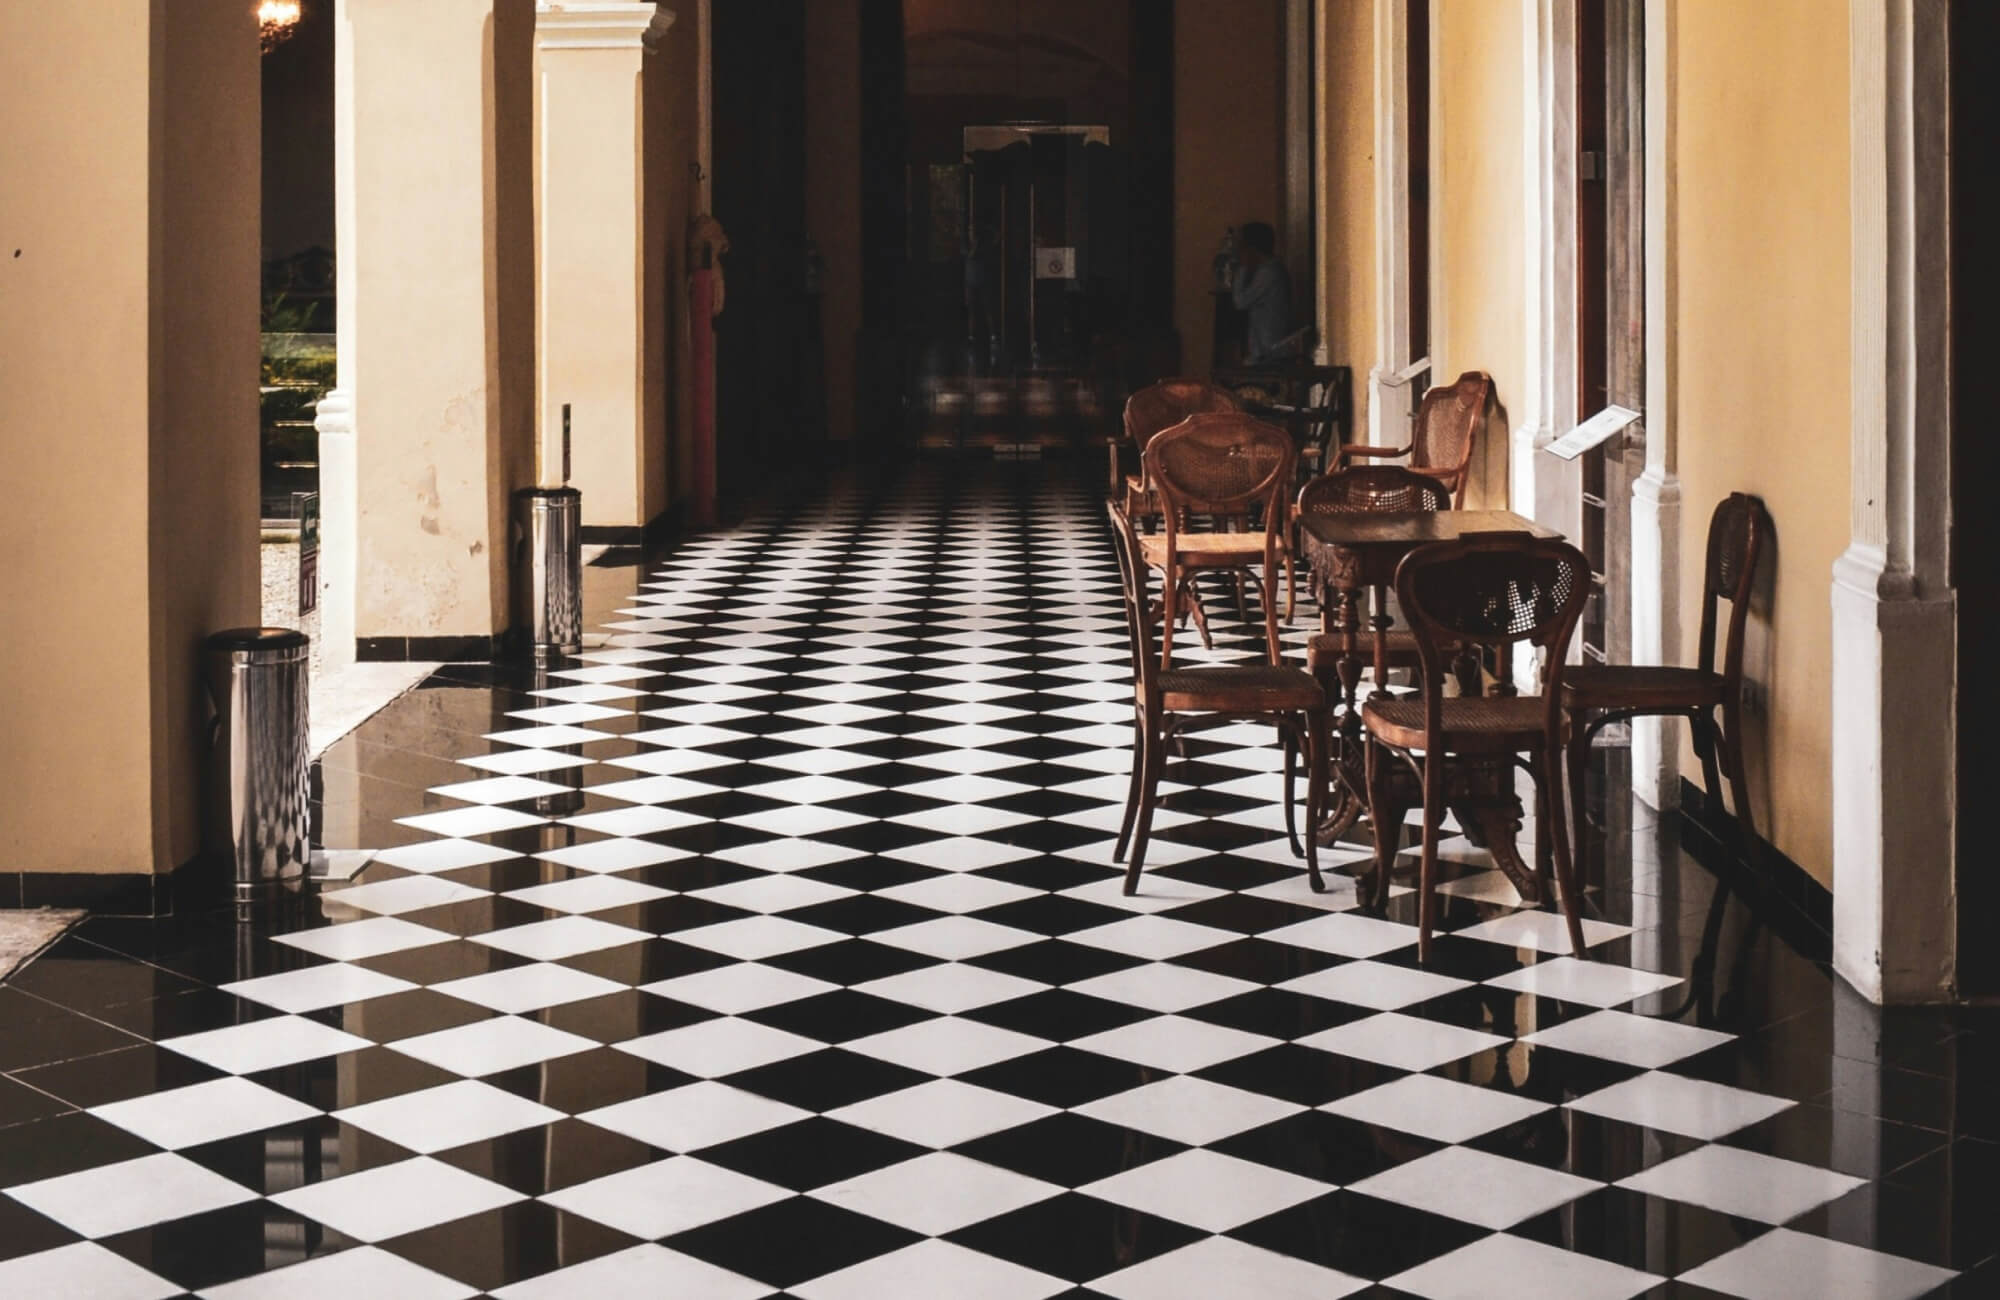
1763	402
1345	64
438	314
833	191
1228	149
1479	234
128	377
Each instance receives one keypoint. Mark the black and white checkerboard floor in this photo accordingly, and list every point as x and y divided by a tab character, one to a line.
776	947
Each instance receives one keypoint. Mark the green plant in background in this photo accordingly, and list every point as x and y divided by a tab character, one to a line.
298	368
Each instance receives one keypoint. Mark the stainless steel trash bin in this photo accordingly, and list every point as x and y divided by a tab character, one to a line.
256	678
548	569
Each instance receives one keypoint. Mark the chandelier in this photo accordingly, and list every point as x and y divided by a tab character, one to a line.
276	21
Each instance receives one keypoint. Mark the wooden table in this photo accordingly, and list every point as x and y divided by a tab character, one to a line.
1353	554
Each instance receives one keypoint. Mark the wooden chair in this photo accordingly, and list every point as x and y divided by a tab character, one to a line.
1494	589
1154	408
1365	489
1169	702
1231	467
1443	436
1596	695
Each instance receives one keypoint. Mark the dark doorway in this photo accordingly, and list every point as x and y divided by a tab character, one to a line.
1417	238
762	426
1975	467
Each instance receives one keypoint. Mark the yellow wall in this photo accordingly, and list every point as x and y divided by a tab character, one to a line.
1228	149
1345	63
1763	403
833	192
128	374
1478	215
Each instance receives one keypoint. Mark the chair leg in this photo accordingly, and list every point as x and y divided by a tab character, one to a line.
1582	728
1149	783
1169	614
1132	791
1555	828
1544	858
1267	590
1291	739
1731	743
1242	601
1318	743
1291	588
1427	867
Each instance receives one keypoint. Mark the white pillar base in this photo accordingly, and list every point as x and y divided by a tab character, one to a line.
1895	917
1656	628
339	499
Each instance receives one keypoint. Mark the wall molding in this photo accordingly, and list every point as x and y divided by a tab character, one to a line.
600	25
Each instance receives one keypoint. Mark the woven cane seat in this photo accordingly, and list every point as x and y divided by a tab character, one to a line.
1502	724
1254	688
1640	686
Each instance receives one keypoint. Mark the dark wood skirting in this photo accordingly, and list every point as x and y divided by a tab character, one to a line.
1796	906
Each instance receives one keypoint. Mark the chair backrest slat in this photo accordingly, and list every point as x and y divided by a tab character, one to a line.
1737	532
1221	463
1447	426
1372	489
1132	579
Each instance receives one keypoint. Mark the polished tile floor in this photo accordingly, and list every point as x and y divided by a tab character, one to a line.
773	946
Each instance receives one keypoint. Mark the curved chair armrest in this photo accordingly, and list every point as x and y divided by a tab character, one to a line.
1117	479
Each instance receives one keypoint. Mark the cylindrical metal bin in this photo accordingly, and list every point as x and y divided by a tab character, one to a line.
256	679
548	569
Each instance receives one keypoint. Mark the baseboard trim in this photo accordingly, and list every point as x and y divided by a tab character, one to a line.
667	524
1798	906
198	882
427	649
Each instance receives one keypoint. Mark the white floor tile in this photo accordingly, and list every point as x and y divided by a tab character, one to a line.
961	853
1628	1039
695	1116
360	1271
950	987
1503	1267
265	1044
941	1113
654	789
1432	1107
443	855
1746	1184
1152	937
739	987
773	893
1221	1266
947	1045
109	1199
488	1046
931	1270
559	937
666	1197
1590	983
635	819
1174	1043
203	1112
755	937
792	853
497	789
517	762
1156	893
1540	931
314	987
84	1270
957	892
1188	1110
1163	986
613	855
592	893
1676	1104
519	989
1207	1189
476	820
1782	1264
1405	1042
403	894
1346	934
668	762
1475	1187
717	1047
1375	984
936	1193
376	1204
450	1115
357	939
954	938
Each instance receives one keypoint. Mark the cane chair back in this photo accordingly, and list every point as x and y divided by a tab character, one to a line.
1372	489
1165	404
1446	429
1492	590
1736	534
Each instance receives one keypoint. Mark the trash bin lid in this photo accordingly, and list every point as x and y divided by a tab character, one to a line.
548	494
253	640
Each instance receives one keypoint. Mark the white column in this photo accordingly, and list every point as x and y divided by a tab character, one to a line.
598	350
1656	496
1389	397
1894	907
1541	486
429	427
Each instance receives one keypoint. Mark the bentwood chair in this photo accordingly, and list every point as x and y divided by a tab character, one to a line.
1443	435
1172	702
1154	408
1365	489
1596	695
1497	590
1233	468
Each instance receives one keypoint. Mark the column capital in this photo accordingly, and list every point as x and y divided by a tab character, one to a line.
600	24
